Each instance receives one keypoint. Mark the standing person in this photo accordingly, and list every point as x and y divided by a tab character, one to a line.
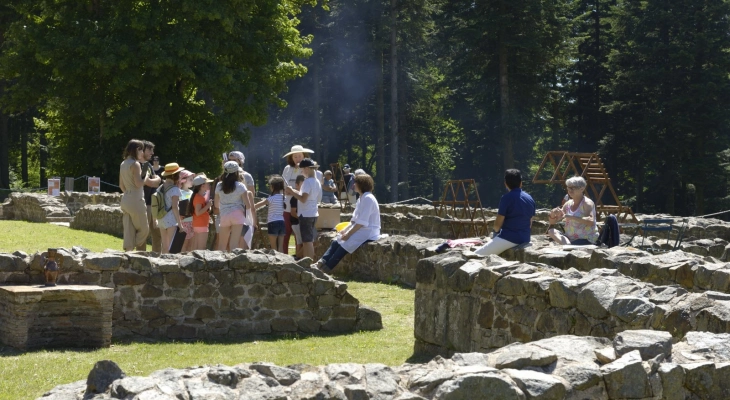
346	178
328	189
295	219
579	214
134	211
199	208
514	217
246	178
185	184
153	170
275	219
307	202
291	171
364	226
172	221
231	196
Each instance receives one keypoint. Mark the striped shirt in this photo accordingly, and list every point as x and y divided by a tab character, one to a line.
276	207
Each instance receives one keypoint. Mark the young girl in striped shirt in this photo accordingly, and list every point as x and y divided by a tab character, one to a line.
275	201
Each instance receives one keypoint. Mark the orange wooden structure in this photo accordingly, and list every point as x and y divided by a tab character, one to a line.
461	202
590	166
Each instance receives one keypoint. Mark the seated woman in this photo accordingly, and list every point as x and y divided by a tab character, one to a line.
364	226
579	214
514	217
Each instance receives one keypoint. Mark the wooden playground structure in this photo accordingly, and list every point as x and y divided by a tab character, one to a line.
565	165
460	200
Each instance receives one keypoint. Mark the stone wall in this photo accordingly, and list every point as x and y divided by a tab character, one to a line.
205	295
634	365
75	201
33	207
99	218
466	302
391	260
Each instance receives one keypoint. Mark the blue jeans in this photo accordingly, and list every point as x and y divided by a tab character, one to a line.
333	255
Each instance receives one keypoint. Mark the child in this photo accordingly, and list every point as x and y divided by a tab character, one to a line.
199	208
328	189
185	183
275	219
172	221
308	197
295	221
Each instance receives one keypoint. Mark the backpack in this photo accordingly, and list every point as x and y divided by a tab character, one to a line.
611	234
159	208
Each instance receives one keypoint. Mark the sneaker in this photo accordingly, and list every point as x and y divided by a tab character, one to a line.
320	265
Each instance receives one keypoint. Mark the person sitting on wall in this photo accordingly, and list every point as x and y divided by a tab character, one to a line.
514	217
579	214
364	226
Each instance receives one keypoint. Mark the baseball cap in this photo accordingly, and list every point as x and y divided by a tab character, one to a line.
307	162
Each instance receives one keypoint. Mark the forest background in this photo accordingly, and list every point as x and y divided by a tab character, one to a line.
415	92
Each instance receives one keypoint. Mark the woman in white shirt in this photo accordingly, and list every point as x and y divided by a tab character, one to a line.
364	226
291	171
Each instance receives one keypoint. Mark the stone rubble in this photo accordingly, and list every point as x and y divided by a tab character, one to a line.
562	367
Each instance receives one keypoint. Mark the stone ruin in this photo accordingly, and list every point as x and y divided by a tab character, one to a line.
205	294
634	364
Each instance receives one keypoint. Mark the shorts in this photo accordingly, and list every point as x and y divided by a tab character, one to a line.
297	234
188	229
308	229
276	228
233	218
200	229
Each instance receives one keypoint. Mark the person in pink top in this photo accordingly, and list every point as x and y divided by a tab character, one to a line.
579	214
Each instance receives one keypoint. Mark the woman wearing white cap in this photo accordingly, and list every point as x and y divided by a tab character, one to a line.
291	171
230	197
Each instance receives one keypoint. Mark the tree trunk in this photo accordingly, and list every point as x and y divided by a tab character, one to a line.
315	81
393	103
43	155
24	156
380	177
509	160
403	143
4	151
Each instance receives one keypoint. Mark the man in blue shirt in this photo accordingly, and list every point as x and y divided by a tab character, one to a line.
514	217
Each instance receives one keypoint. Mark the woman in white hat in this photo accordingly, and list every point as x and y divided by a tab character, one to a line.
291	171
172	220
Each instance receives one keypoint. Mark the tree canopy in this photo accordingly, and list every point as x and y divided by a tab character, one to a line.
415	92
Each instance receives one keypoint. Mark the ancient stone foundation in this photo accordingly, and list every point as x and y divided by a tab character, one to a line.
466	302
206	295
34	208
632	365
61	316
391	260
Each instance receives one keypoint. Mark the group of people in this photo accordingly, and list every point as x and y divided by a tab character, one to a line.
513	224
191	200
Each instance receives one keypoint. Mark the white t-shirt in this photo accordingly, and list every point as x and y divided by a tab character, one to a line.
309	209
232	201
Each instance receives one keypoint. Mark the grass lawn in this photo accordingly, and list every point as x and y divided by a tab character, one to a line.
31	237
29	375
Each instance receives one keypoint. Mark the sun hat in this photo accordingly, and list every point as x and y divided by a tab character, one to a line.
298	149
172	169
185	174
230	167
201	179
237	155
307	162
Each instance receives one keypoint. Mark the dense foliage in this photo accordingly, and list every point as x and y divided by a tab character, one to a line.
414	91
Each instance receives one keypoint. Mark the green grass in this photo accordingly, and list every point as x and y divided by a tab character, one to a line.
29	375
31	237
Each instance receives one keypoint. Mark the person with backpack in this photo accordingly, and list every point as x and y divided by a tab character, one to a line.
134	210
166	205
